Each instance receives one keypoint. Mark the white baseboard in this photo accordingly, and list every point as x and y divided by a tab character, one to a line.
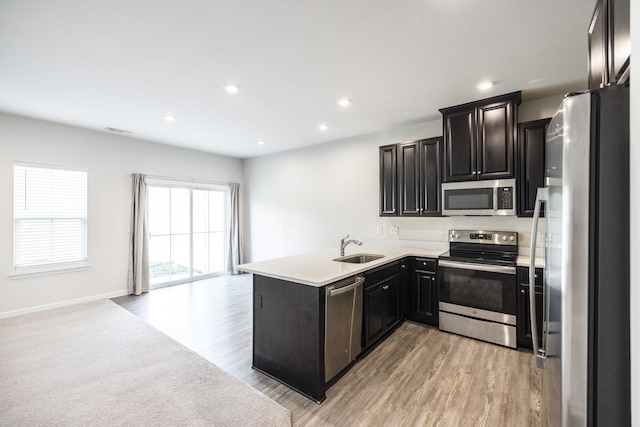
35	309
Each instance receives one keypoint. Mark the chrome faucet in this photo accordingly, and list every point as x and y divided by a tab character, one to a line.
344	242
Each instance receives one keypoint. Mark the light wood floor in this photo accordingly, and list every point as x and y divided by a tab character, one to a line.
418	377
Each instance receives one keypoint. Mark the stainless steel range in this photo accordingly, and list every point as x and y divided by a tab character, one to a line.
478	285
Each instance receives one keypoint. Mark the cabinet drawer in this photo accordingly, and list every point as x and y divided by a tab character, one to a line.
379	274
426	264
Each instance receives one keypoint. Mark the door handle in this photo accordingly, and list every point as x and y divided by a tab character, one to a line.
480	267
337	291
541	196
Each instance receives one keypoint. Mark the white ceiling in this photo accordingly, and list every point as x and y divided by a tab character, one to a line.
126	63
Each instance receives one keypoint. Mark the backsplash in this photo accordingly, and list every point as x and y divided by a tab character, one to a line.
434	232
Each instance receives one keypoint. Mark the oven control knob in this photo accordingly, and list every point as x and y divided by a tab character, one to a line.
455	236
512	238
504	238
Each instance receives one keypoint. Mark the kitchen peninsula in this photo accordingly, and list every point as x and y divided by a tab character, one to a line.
289	310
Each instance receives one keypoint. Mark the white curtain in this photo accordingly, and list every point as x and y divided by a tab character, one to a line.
235	254
139	244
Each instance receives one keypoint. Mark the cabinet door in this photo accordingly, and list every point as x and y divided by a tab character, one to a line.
619	37
523	318
391	288
531	140
431	155
495	141
374	314
409	172
425	297
405	285
460	145
422	295
388	180
597	73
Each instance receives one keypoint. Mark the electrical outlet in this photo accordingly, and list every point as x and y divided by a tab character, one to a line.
380	230
116	275
393	230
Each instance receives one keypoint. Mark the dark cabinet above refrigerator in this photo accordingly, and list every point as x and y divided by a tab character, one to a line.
609	43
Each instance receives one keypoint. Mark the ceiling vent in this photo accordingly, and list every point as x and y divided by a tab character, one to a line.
115	130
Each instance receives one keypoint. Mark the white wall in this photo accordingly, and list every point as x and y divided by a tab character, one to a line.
635	223
307	199
109	160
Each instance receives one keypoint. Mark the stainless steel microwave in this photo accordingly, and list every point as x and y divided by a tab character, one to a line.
491	197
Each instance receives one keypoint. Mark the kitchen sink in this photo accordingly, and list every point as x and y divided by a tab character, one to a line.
359	258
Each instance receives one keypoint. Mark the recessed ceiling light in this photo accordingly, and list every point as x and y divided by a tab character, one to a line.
231	88
323	126
344	102
260	142
168	117
486	85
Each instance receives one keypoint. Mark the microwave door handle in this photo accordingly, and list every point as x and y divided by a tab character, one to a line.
541	197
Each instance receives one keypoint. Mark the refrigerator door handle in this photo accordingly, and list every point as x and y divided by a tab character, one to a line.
541	196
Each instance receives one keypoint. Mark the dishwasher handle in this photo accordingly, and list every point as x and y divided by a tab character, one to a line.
337	291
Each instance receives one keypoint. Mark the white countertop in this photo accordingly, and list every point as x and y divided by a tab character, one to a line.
318	268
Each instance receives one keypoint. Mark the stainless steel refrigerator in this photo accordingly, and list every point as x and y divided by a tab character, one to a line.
585	351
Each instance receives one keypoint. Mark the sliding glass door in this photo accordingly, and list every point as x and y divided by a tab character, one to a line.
186	230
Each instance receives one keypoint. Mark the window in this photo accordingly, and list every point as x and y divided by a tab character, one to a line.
186	228
50	217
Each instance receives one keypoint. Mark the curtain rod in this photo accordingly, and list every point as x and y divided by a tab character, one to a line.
169	178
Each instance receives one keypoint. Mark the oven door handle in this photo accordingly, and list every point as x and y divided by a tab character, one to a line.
478	267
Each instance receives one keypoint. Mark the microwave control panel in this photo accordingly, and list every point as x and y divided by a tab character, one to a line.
505	197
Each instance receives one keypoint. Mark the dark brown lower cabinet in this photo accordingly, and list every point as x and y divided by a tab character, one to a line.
422	292
288	334
523	309
382	309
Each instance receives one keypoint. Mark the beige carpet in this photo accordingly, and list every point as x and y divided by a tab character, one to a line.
97	364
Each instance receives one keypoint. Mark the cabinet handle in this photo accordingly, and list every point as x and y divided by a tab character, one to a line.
403	266
536	276
473	172
385	287
522	291
433	279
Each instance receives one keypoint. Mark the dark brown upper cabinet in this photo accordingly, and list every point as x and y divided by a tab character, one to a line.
388	180
609	43
531	141
479	138
411	186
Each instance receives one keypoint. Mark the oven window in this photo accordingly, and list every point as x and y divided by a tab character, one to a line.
469	199
487	291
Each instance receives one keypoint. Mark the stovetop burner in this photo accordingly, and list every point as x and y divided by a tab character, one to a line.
483	247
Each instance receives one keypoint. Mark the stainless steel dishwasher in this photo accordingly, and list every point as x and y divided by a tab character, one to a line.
343	325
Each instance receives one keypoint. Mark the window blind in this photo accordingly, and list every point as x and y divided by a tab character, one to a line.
50	216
